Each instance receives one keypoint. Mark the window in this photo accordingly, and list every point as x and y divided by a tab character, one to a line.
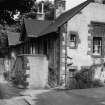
45	47
73	39
97	45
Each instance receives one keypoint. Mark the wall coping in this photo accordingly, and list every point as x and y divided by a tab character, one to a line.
33	55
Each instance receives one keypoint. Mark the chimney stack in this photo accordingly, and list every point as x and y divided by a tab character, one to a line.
41	14
99	1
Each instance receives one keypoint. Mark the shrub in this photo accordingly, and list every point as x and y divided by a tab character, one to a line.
84	79
97	83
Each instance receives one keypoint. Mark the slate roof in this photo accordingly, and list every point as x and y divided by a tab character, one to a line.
63	18
34	27
13	38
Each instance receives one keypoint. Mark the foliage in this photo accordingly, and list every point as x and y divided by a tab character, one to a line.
84	79
27	8
3	41
19	77
48	10
9	7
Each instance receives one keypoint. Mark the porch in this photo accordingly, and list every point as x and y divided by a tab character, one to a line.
48	46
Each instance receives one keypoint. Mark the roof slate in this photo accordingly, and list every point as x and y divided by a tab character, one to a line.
35	27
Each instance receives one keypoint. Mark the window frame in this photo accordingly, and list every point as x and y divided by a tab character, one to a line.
99	54
71	41
97	29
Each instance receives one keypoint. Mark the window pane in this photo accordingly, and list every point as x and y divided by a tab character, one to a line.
97	45
73	37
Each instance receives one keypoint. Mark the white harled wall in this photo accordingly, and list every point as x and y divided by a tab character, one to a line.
79	23
38	72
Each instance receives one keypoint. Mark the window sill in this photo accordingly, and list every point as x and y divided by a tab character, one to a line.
96	56
71	47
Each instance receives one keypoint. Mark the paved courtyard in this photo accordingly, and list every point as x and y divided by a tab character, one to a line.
10	95
67	97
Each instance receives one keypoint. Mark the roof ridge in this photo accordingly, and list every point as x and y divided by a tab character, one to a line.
25	19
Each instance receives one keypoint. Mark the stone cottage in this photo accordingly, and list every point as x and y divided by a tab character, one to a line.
39	46
34	51
81	31
74	40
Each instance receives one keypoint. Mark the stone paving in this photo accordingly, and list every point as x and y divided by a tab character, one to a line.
13	102
9	95
94	96
14	96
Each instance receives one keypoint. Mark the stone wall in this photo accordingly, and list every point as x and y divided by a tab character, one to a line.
82	54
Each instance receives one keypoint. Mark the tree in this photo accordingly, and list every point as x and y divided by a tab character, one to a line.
3	41
7	10
37	7
27	8
9	7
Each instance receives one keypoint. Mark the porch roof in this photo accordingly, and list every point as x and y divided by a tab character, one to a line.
63	18
13	38
34	27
